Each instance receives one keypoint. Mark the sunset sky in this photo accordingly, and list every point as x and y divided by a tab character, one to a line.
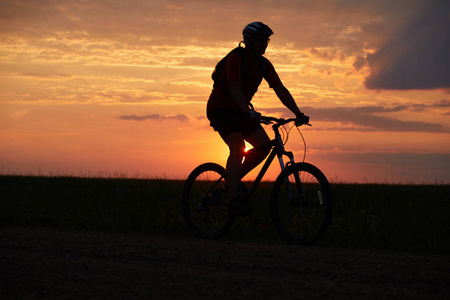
119	88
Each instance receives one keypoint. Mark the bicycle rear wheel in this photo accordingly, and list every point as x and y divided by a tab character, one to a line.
301	204
205	202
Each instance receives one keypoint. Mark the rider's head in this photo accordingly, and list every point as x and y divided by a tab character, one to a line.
256	36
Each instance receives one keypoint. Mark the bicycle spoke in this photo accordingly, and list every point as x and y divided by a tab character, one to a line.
205	198
302	208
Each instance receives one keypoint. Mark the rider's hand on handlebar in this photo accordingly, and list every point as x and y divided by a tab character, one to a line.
301	119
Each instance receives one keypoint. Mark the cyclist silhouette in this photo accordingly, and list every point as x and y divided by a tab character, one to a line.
232	115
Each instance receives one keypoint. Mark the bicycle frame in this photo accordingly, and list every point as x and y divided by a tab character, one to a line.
277	149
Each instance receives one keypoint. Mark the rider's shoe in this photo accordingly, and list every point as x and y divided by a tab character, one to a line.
239	207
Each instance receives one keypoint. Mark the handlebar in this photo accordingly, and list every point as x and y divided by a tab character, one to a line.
280	121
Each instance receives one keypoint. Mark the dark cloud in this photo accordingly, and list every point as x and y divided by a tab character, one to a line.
368	118
426	167
441	104
359	63
181	117
393	159
417	55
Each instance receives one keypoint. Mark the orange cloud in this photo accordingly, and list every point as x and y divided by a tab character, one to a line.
181	117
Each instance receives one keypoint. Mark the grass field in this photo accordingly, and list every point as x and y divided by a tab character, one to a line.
373	216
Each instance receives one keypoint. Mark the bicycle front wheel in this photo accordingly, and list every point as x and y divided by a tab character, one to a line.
205	202
301	204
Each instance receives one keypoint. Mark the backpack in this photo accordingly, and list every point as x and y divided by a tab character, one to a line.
221	65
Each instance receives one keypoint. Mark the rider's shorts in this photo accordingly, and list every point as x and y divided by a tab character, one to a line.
228	121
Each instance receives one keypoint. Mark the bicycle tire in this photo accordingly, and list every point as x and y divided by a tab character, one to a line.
205	202
301	220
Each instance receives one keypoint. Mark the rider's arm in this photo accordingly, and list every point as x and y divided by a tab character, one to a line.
238	95
286	98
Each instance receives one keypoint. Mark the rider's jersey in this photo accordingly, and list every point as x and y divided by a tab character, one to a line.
250	78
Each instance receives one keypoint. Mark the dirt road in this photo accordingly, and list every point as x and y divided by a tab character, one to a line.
51	264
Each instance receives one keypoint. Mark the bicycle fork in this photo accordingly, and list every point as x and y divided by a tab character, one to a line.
292	198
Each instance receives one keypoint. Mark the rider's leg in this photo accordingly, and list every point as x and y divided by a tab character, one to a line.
255	156
235	142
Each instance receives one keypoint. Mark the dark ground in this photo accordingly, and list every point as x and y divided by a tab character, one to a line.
53	264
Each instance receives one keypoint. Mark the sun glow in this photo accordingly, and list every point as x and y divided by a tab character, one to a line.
248	146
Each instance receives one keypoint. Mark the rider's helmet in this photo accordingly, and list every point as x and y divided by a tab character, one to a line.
257	29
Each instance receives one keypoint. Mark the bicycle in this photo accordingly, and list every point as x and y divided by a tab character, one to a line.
300	205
